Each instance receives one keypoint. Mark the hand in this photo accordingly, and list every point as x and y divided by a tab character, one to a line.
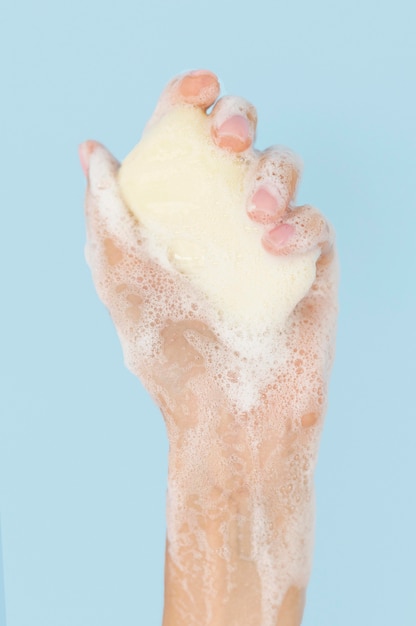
243	417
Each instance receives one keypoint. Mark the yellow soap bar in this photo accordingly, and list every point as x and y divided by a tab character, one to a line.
190	198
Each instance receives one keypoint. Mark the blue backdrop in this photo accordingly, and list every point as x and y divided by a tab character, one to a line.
82	449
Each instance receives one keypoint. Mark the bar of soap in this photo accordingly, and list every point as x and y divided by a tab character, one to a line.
190	198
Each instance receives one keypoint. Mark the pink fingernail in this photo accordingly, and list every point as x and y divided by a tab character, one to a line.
192	84
280	235
265	202
237	126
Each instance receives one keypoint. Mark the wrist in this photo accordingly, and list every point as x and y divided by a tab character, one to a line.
235	543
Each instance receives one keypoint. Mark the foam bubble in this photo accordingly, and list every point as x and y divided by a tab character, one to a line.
250	355
190	198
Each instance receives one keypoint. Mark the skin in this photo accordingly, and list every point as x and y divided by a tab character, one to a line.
231	479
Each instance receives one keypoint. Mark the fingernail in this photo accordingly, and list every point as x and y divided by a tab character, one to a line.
196	81
235	126
265	203
280	235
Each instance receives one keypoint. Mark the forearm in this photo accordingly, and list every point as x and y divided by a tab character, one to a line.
239	543
224	297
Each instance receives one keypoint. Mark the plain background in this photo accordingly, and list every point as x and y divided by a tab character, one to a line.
82	449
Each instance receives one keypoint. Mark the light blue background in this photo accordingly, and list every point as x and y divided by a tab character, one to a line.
82	449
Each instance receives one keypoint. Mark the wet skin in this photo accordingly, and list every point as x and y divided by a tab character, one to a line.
281	469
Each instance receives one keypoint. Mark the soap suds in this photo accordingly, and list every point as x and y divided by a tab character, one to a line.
238	308
189	196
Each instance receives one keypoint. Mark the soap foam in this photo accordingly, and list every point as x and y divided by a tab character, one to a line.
190	197
251	352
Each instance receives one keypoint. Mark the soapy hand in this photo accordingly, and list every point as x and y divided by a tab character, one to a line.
217	243
223	294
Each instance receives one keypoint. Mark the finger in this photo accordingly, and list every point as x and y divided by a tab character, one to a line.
234	122
301	231
274	185
199	88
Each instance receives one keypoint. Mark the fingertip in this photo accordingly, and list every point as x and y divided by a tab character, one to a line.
85	150
195	81
276	239
233	134
198	87
265	206
233	124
